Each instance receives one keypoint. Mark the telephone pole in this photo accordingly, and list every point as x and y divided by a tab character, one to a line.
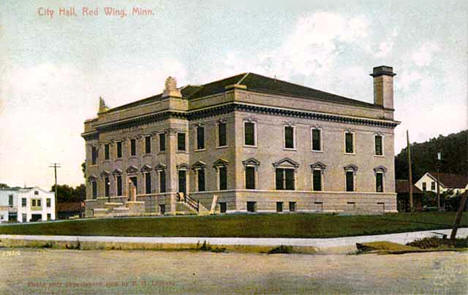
439	157
55	166
410	173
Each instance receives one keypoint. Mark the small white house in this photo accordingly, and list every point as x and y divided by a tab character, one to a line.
27	204
453	183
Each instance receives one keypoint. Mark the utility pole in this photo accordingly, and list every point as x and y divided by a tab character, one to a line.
55	166
410	173
439	157
458	217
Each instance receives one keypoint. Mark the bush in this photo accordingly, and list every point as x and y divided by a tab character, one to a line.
436	242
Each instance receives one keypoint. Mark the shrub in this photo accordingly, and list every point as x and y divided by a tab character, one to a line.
281	250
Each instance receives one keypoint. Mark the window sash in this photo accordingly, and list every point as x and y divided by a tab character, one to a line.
285	179
148	144
222	139
162	181
349	181
119	149
317	180
94	189
119	185
250	177
289	137
132	147
349	143
181	142
249	133
106	152
200	138
316	144
162	142
48	203
201	180
93	155
378	145
106	186
23	202
222	178
148	183
379	182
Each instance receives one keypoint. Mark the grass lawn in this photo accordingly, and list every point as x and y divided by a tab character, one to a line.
243	225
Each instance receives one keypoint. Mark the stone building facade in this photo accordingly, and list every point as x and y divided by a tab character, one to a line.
247	143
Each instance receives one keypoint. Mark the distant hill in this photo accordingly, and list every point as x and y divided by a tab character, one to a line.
454	148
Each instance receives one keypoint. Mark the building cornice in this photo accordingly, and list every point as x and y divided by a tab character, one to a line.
230	107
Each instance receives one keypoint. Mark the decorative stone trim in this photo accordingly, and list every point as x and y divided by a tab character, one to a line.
182	166
198	165
220	163
160	166
117	171
380	169
92	177
105	173
352	167
132	169
318	165
286	161
146	168
251	162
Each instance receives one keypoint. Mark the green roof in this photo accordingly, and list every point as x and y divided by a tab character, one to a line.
257	83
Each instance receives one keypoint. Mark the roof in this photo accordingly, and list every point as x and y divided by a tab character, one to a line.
450	180
70	206
257	83
401	187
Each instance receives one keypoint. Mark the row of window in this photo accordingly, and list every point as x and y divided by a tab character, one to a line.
35	202
433	186
284	180
250	139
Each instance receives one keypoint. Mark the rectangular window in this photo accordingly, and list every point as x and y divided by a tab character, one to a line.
10	200
251	206
49	216
106	152
162	181
317	180
288	137
33	203
94	189
222	207
183	181
201	180
132	147
200	138
250	177
181	142
39	203
119	149
316	140
433	186
222	178
279	207
292	206
378	145
107	186
222	140
93	155
148	144
48	203
162	209
119	185
424	186
23	202
285	179
162	142
349	142
249	133
134	180
379	182
148	183
349	181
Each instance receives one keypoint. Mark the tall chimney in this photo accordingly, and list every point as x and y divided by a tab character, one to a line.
383	86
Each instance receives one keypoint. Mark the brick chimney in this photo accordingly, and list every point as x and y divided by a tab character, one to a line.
383	86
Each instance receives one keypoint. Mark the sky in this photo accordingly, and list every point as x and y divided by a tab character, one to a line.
54	69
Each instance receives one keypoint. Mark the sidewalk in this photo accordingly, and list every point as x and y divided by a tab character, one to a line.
317	243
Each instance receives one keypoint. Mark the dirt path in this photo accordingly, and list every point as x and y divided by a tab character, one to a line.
154	272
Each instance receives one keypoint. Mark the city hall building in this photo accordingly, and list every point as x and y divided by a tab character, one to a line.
246	143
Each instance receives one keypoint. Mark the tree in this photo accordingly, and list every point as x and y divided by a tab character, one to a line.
66	193
4	185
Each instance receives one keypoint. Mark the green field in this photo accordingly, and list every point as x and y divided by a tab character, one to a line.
243	225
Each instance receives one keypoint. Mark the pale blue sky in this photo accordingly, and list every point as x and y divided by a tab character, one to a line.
54	70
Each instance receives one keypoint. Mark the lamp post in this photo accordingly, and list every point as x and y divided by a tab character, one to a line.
439	158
